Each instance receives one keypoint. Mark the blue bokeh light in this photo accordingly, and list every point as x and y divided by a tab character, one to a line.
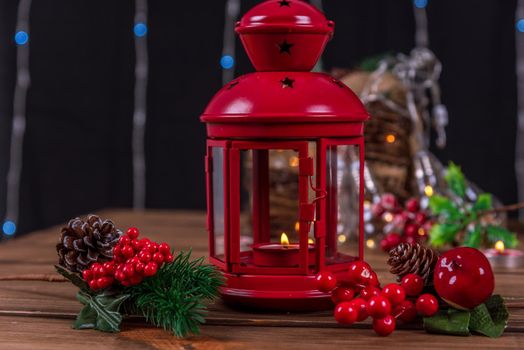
9	228
21	37
520	25
227	62
140	29
420	3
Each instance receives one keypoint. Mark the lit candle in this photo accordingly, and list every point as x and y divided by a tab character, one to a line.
499	256
284	254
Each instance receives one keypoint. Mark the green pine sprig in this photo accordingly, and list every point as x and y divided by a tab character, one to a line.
459	222
177	296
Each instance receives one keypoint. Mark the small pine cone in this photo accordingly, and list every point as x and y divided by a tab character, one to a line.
85	242
413	258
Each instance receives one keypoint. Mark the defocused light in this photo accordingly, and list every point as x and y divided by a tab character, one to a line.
388	217
227	62
341	238
370	244
520	25
293	161
428	190
420	3
21	37
390	138
9	228
140	29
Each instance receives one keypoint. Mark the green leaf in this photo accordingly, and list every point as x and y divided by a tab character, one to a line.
490	318
499	233
440	205
101	311
455	180
441	234
484	202
473	237
73	277
454	322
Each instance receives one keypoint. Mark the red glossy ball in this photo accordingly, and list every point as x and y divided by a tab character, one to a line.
394	293
413	205
152	247
128	251
369	292
346	313
109	267
164	248
411	230
384	326
117	250
93	284
373	280
378	307
405	311
150	269
341	294
137	246
104	282
128	270
361	305
139	267
427	305
87	275
135	279
413	284
168	258
359	273
124	240
158	258
389	201
325	281
132	232
120	275
420	218
144	256
377	210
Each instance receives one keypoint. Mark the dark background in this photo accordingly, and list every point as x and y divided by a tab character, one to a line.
77	148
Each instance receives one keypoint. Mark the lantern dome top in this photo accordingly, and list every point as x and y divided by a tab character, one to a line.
283	97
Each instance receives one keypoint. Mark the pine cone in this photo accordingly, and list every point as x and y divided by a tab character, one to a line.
413	258
85	242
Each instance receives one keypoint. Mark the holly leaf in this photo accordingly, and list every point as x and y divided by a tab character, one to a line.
440	205
499	233
490	318
73	277
101	311
473	237
441	234
484	202
455	180
454	322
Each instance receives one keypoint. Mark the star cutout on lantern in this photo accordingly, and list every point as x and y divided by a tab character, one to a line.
338	82
284	3
287	82
285	47
232	85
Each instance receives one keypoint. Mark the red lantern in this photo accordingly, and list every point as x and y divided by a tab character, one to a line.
285	130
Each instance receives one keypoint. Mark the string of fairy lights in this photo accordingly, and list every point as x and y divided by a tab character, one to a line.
227	63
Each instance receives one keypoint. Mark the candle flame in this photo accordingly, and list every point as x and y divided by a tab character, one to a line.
284	240
297	226
499	246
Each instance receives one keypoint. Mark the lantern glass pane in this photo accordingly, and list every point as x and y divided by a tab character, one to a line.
218	201
342	185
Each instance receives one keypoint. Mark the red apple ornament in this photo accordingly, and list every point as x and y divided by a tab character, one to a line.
463	277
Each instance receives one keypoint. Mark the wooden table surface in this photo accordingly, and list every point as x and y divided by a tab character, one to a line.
38	315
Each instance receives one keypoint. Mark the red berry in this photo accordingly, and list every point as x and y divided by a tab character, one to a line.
120	275
405	311
144	256
116	250
152	247
150	269
158	258
128	251
399	220
379	307
394	293
413	284
104	282
341	294
126	283
164	248
412	205
373	280
411	230
109	267
410	240
134	260
361	305
132	232
377	210
92	284
137	246
346	313
389	201
369	292
128	270
124	240
359	273
139	267
326	281
427	305
420	218
384	326
391	241
87	275
168	258
135	279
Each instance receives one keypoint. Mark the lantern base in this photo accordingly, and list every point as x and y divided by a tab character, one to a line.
277	293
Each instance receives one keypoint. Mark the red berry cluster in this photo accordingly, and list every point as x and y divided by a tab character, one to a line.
358	296
133	259
408	224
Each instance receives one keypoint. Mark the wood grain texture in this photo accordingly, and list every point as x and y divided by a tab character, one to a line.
36	315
